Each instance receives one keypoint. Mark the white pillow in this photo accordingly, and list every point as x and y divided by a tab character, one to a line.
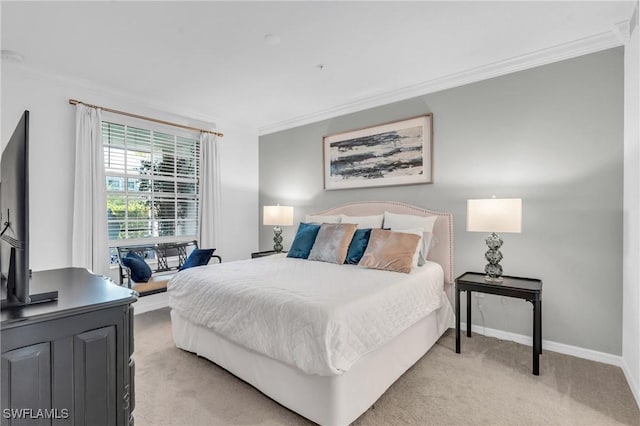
408	221
428	242
415	262
364	222
322	219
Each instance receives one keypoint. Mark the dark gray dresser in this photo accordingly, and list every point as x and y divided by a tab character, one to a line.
69	362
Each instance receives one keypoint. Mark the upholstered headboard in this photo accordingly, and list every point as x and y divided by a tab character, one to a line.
441	253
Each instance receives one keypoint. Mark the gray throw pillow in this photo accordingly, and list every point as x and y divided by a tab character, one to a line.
332	242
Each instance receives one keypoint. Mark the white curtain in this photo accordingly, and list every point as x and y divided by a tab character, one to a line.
210	190
89	238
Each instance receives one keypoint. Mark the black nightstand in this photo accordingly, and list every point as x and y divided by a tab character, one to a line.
529	289
264	253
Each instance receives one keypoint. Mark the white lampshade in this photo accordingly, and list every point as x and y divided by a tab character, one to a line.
494	215
278	215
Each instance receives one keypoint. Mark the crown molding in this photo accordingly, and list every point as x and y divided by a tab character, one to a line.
622	31
583	46
170	110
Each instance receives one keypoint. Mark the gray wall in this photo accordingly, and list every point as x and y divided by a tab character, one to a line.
551	135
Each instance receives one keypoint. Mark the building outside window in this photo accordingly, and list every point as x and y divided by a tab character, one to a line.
152	184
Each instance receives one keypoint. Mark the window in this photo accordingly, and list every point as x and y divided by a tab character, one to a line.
152	183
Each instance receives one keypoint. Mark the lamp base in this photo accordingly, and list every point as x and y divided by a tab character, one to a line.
495	280
493	269
277	239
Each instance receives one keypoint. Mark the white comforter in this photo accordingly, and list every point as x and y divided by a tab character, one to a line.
317	316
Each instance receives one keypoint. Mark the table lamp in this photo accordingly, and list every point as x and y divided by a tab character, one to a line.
277	216
494	215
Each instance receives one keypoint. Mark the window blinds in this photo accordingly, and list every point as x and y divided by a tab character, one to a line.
152	182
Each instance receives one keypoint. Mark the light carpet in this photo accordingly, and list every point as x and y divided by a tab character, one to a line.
490	383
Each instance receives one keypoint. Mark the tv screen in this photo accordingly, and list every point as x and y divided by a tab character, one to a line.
14	210
14	221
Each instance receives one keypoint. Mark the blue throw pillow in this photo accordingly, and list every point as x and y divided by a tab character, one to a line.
358	245
302	243
198	257
140	270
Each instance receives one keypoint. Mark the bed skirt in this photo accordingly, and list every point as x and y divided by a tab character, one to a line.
327	400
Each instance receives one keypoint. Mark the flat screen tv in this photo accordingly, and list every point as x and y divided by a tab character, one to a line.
14	220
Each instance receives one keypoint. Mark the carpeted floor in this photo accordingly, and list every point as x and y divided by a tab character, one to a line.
489	383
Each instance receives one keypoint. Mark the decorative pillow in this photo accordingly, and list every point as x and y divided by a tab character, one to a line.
364	222
390	251
198	257
322	219
409	221
416	260
357	246
140	270
332	242
428	242
303	241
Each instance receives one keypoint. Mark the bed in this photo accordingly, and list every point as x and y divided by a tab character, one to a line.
323	340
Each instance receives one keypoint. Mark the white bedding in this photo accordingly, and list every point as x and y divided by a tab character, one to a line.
316	316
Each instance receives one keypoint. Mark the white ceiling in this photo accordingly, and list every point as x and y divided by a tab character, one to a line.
210	58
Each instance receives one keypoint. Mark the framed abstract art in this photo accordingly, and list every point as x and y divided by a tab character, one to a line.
398	153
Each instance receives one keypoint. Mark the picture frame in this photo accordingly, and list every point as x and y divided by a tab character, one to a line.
397	153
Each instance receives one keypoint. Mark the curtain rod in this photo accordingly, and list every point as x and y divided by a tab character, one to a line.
142	117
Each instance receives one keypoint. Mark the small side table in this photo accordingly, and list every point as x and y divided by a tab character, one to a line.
529	289
264	253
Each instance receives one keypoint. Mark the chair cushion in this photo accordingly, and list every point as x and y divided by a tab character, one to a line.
140	270
156	284
198	257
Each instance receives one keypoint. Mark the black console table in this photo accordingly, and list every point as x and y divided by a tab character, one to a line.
529	289
69	361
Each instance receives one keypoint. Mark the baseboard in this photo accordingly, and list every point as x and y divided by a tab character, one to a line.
151	303
631	381
562	348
